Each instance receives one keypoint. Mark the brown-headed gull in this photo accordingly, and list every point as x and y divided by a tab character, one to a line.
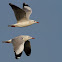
22	16
21	43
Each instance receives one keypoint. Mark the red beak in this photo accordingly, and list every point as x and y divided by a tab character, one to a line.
33	38
37	22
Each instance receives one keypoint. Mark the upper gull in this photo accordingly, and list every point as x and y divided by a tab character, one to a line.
22	16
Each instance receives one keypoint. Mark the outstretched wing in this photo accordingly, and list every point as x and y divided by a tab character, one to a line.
19	13
27	9
27	48
18	45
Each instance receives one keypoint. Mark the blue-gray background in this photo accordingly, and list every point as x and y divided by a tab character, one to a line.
47	47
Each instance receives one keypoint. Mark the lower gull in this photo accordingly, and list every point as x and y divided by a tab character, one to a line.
20	43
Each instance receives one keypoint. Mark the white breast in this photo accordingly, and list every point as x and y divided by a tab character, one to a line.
23	24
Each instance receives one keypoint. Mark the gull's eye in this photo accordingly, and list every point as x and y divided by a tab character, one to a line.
22	38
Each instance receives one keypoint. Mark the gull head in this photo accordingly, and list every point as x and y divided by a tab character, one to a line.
26	37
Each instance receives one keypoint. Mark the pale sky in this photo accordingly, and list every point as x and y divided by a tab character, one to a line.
47	45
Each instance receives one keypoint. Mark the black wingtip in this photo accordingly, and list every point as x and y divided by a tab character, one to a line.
27	48
10	3
27	51
24	4
17	56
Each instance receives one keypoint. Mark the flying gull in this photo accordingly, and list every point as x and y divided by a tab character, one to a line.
20	43
22	16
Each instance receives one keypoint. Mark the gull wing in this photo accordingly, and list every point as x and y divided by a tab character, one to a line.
27	9
18	45
19	13
27	48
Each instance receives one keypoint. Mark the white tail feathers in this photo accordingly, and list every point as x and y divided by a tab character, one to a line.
11	26
5	42
9	41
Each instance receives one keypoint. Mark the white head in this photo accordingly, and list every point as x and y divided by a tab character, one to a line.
26	37
33	21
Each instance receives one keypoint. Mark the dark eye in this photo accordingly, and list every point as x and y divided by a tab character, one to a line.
22	38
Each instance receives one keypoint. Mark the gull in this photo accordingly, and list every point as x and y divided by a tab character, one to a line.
20	43
22	16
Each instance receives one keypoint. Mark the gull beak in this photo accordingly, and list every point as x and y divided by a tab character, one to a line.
37	22
33	38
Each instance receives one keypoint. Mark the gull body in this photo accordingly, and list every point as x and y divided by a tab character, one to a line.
23	24
22	16
20	43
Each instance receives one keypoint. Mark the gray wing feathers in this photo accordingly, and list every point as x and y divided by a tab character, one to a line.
17	42
28	11
19	13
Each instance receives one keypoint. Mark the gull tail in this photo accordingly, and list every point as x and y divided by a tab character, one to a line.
11	26
8	41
